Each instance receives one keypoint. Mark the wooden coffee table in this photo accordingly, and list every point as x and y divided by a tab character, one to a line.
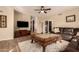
45	39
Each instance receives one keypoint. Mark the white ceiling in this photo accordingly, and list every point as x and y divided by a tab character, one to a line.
54	9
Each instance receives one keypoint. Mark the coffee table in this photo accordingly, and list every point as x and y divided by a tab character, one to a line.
45	39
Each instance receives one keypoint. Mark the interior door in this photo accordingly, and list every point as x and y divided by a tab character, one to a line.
32	27
48	26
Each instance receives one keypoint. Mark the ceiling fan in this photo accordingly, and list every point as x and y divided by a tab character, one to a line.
42	9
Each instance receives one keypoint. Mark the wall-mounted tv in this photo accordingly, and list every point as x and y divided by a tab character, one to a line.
22	24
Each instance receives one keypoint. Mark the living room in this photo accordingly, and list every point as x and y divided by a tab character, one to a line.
57	20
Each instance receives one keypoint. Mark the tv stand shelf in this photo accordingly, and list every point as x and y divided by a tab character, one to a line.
20	33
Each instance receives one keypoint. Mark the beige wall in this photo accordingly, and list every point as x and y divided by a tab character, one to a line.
60	20
13	17
18	16
7	33
39	18
40	22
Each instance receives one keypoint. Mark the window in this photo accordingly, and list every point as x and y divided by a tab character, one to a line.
3	21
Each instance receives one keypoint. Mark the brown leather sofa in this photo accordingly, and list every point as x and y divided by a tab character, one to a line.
73	45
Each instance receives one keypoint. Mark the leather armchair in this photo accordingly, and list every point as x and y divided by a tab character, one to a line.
73	45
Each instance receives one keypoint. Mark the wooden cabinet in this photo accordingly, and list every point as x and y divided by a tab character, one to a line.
21	33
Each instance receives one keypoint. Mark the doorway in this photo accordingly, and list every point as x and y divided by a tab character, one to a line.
32	27
48	26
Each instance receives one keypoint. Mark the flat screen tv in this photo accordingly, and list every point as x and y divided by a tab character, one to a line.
22	24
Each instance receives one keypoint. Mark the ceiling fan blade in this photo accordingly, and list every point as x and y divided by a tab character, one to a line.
47	9
45	12
37	9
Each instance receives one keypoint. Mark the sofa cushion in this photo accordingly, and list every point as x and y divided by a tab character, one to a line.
67	37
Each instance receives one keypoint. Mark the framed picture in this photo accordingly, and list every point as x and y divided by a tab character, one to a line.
70	18
3	21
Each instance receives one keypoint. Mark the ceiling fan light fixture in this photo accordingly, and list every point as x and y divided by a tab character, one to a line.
42	11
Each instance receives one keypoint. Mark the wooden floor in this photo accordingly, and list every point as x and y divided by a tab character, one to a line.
11	45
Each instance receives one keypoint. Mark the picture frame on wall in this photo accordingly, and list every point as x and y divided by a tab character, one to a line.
3	21
70	18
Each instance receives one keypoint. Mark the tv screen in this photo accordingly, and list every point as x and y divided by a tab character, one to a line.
22	24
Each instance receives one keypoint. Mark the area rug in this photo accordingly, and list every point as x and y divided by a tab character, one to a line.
27	46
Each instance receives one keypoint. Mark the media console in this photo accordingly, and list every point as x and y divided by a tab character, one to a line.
20	33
